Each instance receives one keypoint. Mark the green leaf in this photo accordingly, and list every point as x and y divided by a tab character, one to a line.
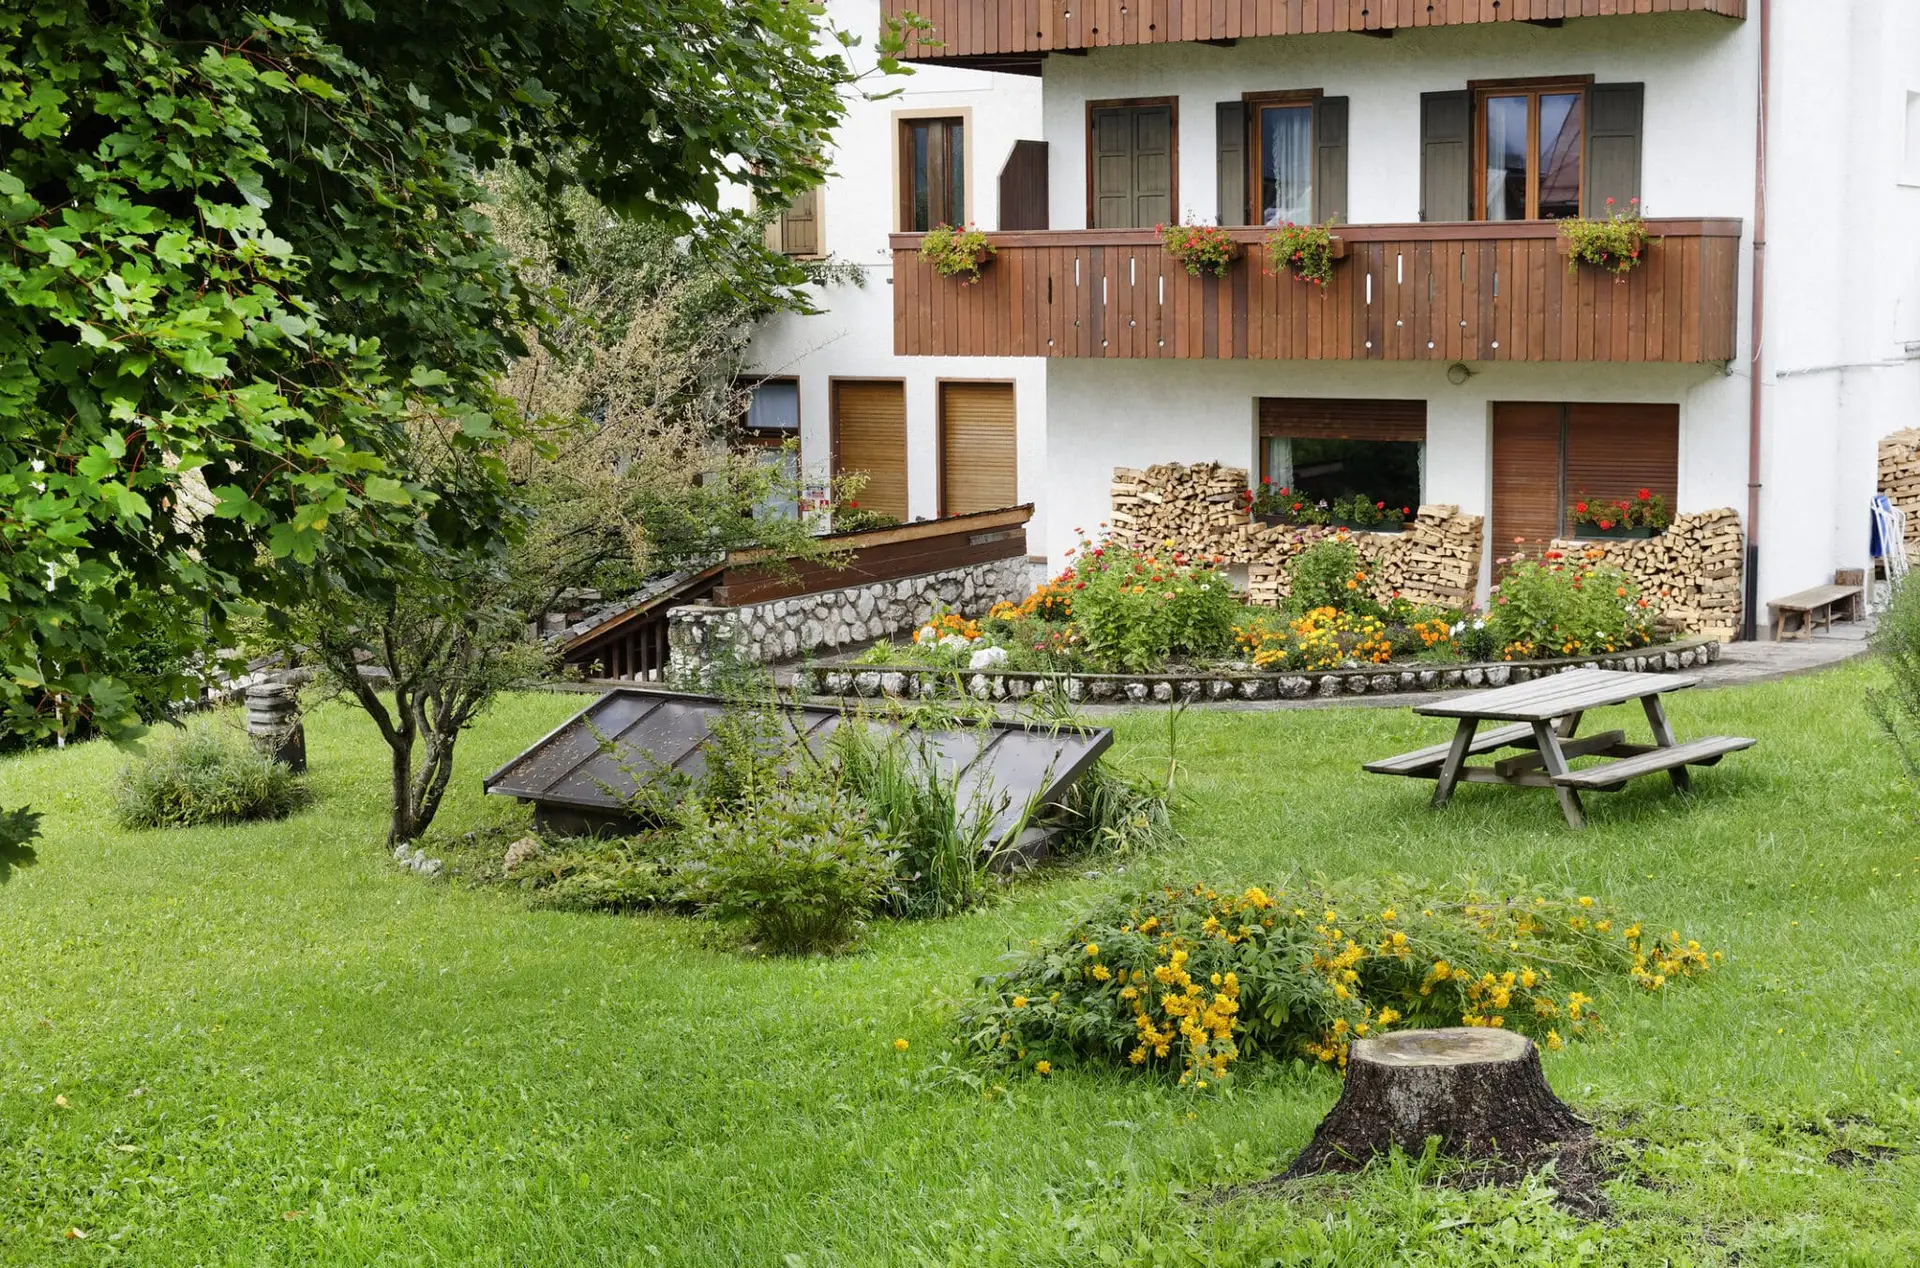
387	489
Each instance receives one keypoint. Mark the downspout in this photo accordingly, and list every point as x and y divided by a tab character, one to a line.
1757	332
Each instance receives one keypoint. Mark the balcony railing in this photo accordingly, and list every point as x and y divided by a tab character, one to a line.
1420	292
1014	30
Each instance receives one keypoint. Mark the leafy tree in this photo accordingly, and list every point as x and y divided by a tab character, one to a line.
245	267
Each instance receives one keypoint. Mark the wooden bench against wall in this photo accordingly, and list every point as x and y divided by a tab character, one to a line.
1818	605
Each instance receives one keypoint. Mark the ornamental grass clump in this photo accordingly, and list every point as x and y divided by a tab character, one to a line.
205	777
1188	982
1568	605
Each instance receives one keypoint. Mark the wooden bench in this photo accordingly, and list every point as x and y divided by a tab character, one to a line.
1613	775
1427	761
1816	605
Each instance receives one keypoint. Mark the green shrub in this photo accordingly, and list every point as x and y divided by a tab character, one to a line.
1190	980
631	875
1329	574
802	867
1137	611
1896	707
205	777
1568	607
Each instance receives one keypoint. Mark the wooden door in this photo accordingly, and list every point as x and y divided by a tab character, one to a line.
870	435
1526	477
1132	166
979	467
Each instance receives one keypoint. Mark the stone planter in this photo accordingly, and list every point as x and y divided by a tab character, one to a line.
899	681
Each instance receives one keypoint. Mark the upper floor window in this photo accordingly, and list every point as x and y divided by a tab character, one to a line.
1133	163
933	184
1530	141
797	230
1282	158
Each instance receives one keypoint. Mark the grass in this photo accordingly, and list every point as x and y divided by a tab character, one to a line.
276	1047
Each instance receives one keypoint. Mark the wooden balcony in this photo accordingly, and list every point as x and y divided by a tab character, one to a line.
1420	292
1016	34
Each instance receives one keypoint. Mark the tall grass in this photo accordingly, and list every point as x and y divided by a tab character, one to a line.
205	777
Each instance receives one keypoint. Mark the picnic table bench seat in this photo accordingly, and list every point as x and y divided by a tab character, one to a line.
1701	752
1521	733
1814	605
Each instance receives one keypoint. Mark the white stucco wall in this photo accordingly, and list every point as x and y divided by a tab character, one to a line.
852	335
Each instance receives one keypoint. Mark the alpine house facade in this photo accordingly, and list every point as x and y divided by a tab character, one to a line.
1455	356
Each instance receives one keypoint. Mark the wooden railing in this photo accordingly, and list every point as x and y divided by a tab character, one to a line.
1420	292
965	29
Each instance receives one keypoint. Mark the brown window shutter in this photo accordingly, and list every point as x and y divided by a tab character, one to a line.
1615	116
800	225
1153	167
870	435
1330	160
1446	155
1023	187
1112	168
1526	476
1614	451
1230	147
1311	418
979	466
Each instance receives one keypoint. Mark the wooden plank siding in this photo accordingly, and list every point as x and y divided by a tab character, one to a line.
1009	28
1420	292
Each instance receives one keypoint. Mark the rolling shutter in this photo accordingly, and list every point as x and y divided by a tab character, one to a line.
870	435
1446	156
1023	187
1309	418
1614	118
1330	160
1526	476
1230	145
1614	451
800	225
979	469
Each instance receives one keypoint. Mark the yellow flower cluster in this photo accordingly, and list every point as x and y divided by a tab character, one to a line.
1052	601
1433	633
945	624
1323	638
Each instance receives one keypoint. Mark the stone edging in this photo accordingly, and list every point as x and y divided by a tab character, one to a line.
904	681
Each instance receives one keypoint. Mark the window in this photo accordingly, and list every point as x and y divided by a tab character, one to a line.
1327	450
1283	161
1532	149
1548	456
771	432
933	184
979	462
1132	170
870	437
1282	157
797	230
1912	176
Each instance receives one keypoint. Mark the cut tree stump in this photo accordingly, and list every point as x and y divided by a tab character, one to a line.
1480	1091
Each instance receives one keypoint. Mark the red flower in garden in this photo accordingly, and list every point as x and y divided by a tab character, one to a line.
1296	506
852	506
1379	506
1645	495
1266	479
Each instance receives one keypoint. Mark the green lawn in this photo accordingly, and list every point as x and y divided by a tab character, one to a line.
275	1047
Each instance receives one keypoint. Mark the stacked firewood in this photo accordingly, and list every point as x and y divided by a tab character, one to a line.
1435	561
1900	479
1693	570
1202	509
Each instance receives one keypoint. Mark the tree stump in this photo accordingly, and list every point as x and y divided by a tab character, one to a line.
273	720
1480	1091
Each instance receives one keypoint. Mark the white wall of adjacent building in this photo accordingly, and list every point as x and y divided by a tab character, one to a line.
851	337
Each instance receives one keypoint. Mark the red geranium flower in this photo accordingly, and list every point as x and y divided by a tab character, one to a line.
1645	495
1606	524
1580	507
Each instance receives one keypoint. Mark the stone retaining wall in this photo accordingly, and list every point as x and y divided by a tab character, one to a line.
917	683
698	635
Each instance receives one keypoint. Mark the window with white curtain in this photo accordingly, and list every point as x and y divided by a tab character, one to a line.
1284	161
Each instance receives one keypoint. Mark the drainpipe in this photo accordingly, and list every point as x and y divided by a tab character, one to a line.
1758	326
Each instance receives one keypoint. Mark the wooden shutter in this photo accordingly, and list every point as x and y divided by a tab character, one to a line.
800	225
1526	476
1614	451
1112	168
1230	148
870	435
1023	187
1311	418
1330	160
979	470
1152	166
1615	115
1446	155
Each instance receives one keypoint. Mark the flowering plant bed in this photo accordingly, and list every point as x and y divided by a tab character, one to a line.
1200	248
1616	242
956	252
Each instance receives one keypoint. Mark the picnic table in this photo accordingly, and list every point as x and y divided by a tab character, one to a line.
1545	715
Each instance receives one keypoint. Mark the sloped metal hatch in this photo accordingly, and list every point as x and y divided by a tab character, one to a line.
577	785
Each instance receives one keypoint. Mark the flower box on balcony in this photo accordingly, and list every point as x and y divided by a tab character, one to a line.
1594	531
